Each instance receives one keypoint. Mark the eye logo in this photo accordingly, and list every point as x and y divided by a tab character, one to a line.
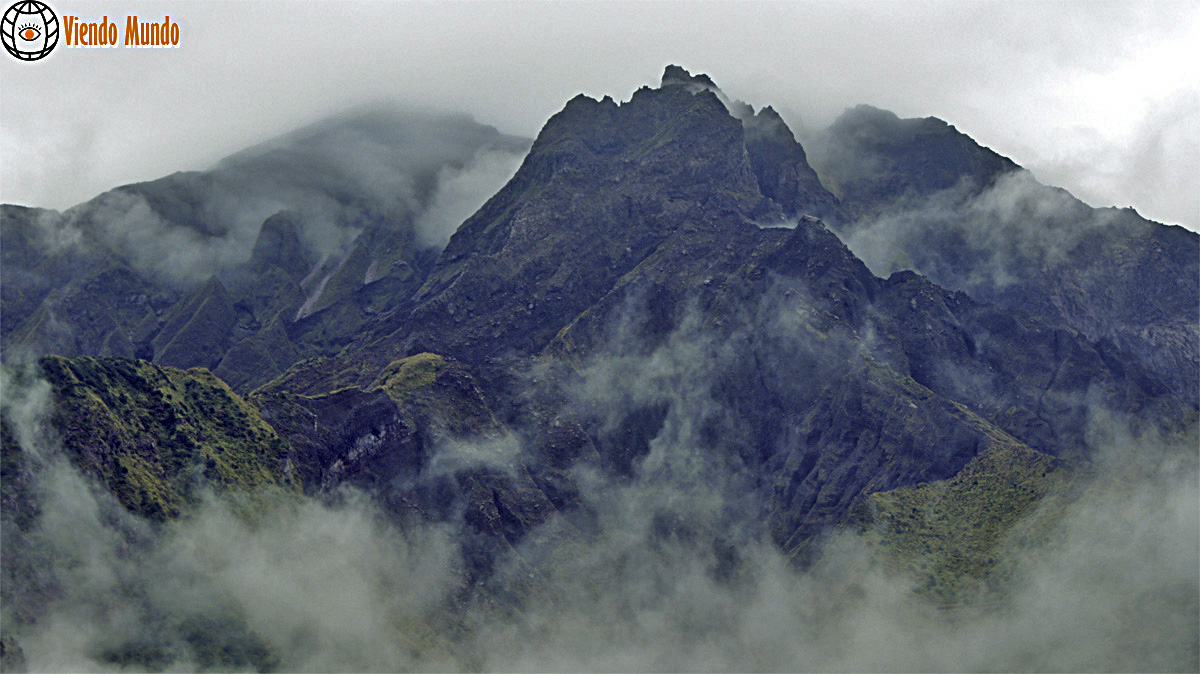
29	30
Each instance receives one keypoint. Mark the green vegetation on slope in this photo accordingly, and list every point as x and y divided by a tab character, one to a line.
155	435
406	375
953	534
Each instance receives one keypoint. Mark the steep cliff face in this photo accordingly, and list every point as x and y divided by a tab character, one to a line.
783	172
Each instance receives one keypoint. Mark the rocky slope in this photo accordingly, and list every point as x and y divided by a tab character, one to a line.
627	223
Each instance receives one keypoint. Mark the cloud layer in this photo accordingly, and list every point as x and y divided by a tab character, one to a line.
1099	100
672	573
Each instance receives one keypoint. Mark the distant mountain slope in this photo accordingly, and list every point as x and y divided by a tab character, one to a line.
931	200
279	232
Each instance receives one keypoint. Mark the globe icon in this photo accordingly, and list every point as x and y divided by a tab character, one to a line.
29	30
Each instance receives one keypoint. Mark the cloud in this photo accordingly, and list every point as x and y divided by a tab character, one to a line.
1019	78
462	191
337	178
500	453
89	587
126	223
997	223
1146	170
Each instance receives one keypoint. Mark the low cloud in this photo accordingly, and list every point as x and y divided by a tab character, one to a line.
499	453
462	191
1012	224
667	567
337	177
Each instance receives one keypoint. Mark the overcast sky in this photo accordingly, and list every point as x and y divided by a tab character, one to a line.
1100	98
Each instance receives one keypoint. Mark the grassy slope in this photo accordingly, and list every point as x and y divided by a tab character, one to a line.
156	435
956	535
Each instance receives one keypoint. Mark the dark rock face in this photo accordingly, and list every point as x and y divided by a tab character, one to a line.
557	238
602	188
783	172
391	439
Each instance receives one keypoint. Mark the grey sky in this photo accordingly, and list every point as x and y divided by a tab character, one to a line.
1100	98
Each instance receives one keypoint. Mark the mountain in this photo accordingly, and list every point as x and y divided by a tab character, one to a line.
653	375
236	268
935	202
581	255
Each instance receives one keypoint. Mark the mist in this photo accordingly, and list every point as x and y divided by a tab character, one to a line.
996	221
336	179
666	567
660	552
462	191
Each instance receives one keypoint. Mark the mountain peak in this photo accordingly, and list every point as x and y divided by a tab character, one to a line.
867	124
280	243
913	157
677	75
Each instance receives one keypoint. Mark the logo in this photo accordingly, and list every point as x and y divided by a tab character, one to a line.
138	33
29	30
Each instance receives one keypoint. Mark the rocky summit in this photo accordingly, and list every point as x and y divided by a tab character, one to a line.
668	353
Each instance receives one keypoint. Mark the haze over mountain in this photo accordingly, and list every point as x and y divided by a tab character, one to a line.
236	257
1102	100
677	393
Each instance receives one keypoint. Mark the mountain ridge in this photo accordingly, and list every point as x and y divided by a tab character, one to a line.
346	193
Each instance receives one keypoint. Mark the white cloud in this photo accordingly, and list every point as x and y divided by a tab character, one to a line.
1052	84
